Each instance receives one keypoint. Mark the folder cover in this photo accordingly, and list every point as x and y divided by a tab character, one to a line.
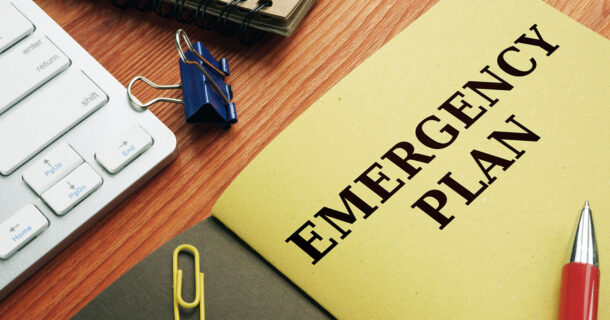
442	177
238	284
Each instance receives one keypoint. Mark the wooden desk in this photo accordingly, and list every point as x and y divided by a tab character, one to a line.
274	82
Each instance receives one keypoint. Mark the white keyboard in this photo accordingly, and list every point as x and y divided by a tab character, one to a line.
71	147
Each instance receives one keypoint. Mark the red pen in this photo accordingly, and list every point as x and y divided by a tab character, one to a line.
580	277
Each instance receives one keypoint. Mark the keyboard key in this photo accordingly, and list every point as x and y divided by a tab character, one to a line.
122	149
20	228
27	66
72	189
13	25
52	167
45	115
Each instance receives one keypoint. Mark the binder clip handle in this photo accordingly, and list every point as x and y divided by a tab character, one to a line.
136	103
202	78
181	33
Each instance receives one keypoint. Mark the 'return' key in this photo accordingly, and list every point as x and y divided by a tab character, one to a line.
123	149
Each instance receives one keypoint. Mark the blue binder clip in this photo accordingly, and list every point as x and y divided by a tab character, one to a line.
207	98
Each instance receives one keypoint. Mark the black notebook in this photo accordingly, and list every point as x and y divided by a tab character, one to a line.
239	284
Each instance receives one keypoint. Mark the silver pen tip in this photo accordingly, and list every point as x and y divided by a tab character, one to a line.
584	249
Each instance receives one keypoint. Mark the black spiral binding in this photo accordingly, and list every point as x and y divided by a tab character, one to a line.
180	15
245	24
158	5
198	16
225	28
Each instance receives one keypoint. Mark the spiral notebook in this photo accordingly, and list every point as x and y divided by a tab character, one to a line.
279	17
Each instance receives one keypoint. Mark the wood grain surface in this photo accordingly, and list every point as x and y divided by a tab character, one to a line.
274	81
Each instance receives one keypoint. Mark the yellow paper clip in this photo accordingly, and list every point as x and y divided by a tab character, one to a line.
178	301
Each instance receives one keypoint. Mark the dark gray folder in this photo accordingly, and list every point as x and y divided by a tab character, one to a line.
239	284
